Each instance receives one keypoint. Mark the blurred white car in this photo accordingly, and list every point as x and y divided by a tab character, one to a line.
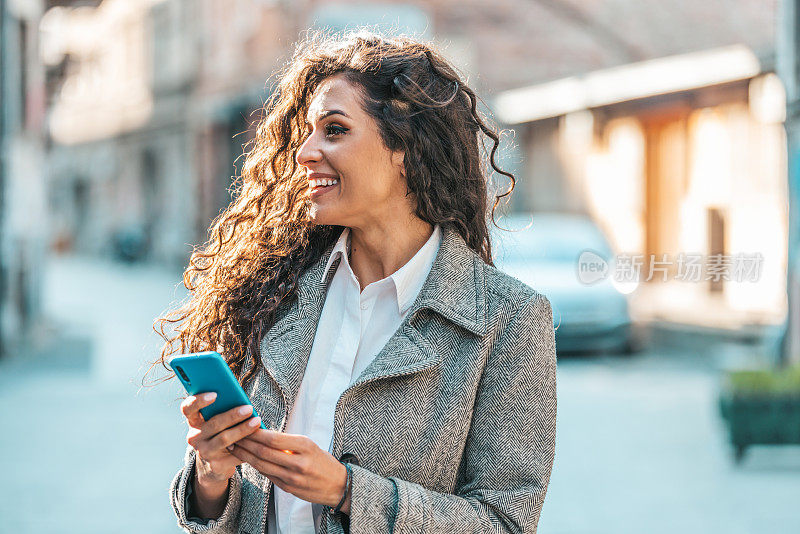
544	251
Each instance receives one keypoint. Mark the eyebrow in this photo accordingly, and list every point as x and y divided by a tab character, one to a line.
330	112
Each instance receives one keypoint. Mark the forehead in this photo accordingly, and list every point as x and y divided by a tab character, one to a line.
334	93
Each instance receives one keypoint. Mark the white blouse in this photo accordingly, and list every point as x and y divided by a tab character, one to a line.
354	326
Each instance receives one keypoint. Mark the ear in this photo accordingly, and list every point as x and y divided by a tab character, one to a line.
398	160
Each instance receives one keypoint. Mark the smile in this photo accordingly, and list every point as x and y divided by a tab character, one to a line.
320	186
322	182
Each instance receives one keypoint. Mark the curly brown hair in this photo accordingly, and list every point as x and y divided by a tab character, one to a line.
261	243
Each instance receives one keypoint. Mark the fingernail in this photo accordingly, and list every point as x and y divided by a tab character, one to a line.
244	410
255	421
209	396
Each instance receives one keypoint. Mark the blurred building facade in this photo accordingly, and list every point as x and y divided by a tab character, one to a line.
155	100
678	150
148	105
788	66
121	173
24	219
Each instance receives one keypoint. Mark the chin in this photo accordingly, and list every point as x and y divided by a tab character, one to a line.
318	217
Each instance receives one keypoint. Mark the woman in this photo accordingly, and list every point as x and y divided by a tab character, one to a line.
411	386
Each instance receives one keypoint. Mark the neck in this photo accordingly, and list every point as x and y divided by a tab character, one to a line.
378	251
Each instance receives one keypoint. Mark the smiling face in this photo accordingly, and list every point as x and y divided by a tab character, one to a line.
344	145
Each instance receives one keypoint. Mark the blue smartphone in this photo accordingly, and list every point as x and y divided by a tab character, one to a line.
201	372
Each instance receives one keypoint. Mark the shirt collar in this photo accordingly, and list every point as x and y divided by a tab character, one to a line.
455	287
408	279
339	249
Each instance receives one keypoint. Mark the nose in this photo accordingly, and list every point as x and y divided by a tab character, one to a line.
308	152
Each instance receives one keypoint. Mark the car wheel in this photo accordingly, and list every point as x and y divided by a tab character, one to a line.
632	344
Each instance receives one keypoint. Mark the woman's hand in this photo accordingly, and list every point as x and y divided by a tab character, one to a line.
215	464
296	465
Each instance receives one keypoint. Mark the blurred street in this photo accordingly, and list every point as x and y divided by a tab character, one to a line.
100	450
640	446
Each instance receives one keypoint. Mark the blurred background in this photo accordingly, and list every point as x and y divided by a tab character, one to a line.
653	143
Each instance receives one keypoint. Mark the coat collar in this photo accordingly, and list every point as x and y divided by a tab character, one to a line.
406	280
454	289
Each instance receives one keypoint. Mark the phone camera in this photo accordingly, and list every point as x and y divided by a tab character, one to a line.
182	373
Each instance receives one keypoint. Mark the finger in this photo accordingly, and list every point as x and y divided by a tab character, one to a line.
227	419
193	437
276	456
282	484
237	453
230	436
193	403
264	466
289	443
191	406
281	440
258	447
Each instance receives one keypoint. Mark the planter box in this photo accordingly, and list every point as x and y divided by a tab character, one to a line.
761	407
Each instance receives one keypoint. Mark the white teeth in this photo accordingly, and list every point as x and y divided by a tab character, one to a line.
317	182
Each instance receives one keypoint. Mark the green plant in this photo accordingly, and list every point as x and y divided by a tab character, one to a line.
761	407
765	381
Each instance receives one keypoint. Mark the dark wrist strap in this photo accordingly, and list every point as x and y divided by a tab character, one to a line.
346	488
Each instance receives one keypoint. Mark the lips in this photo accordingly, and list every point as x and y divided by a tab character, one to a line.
317	190
319	183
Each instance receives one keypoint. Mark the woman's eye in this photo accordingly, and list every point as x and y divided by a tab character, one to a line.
331	130
334	129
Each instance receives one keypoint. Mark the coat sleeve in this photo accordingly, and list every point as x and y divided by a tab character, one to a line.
508	455
226	523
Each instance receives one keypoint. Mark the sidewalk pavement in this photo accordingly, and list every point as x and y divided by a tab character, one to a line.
641	448
85	448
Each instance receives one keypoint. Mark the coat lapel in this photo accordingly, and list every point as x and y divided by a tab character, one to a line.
454	288
286	347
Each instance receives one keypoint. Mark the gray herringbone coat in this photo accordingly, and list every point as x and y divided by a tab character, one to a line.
451	428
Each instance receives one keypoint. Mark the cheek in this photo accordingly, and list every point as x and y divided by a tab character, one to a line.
367	188
366	172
